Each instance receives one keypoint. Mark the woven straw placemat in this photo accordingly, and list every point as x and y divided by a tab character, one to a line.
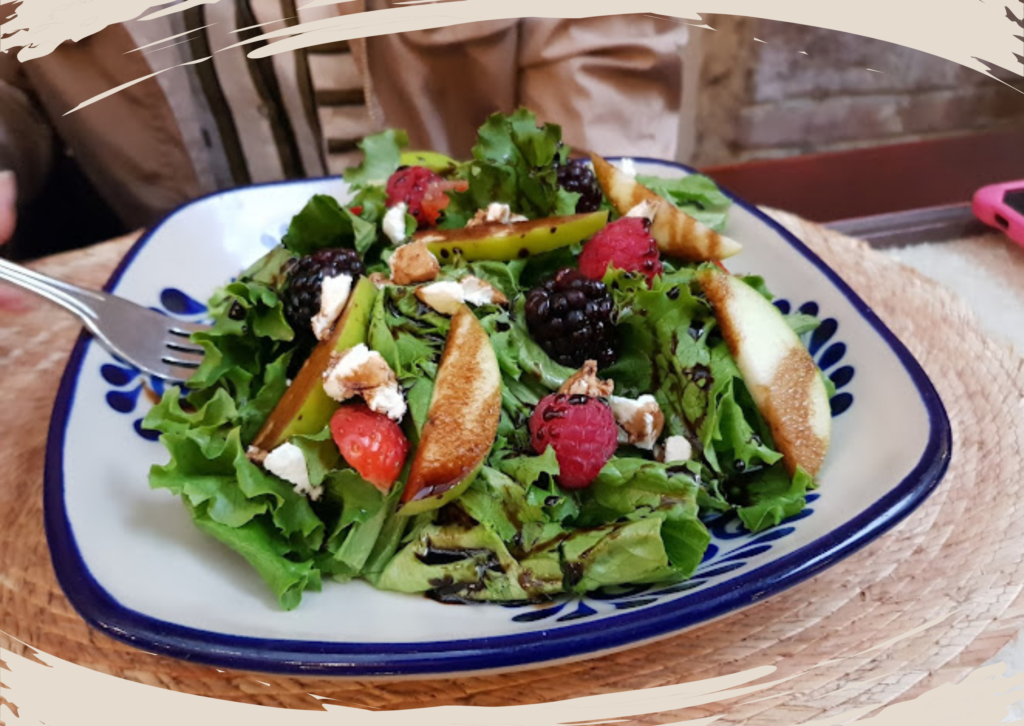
959	553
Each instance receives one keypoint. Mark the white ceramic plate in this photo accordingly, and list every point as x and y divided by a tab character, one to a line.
134	566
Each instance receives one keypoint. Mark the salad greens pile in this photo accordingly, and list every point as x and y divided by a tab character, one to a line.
514	535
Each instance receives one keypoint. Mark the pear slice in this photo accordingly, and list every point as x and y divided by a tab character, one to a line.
677	233
462	421
305	408
778	371
517	240
432	160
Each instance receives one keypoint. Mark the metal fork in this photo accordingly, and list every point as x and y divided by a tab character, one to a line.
145	339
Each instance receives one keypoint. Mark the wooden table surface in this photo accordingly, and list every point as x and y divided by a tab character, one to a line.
957	559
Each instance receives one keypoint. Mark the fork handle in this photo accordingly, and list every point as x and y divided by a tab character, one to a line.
75	299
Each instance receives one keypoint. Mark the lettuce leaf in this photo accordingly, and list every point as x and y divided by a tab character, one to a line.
696	194
771	497
243	375
513	163
324	223
362	511
231	498
267	553
382	154
671	346
409	335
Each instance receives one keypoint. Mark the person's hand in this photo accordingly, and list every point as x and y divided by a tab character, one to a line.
10	298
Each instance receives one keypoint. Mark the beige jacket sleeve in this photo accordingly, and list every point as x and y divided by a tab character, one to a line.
26	138
614	83
128	145
441	84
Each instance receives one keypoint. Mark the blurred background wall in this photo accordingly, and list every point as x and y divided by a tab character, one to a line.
765	100
754	91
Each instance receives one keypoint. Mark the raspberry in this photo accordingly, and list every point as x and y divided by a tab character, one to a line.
302	288
571	318
423	192
581	429
626	244
577	176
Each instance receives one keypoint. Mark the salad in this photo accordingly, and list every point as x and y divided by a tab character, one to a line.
498	380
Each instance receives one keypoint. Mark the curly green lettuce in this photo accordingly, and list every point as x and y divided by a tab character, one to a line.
514	535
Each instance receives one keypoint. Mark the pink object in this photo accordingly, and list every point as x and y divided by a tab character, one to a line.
1002	206
13	300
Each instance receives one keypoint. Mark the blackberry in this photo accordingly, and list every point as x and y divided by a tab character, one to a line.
302	288
577	176
571	318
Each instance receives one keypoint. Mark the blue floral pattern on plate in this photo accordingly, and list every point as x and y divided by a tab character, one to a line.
128	383
827	355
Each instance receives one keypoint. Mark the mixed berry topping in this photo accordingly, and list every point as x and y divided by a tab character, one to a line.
577	176
581	429
371	443
570	317
301	294
625	244
424	193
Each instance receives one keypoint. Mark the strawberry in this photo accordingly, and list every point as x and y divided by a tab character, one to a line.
371	443
423	192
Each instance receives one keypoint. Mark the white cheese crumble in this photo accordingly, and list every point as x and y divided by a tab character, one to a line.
644	210
496	213
627	167
287	462
446	296
334	292
640	420
477	292
388	401
394	223
353	359
360	371
676	448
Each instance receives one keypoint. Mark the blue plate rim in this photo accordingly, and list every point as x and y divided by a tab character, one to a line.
534	649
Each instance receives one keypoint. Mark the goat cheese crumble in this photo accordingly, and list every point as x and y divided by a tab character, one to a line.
334	292
288	463
394	223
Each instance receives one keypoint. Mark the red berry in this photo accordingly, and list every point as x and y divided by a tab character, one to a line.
582	431
626	244
423	192
371	443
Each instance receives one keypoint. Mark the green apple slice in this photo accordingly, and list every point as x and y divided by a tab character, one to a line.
462	421
518	240
778	371
305	408
437	163
676	232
